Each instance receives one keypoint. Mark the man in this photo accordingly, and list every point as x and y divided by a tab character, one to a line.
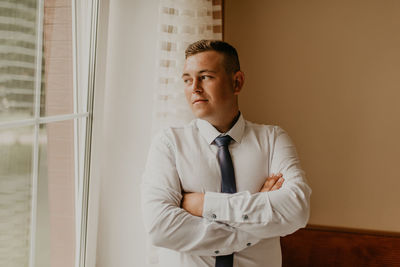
209	193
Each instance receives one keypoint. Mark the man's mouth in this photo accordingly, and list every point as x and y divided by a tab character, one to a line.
199	101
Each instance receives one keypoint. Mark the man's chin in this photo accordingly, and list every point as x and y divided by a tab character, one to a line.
200	114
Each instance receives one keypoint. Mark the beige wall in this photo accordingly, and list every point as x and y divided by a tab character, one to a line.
329	73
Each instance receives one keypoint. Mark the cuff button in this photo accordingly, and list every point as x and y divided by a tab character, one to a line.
216	252
214	216
245	217
248	244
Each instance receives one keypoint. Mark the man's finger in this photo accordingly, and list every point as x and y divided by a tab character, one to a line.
278	184
270	182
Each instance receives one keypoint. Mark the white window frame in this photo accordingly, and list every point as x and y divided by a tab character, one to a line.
81	177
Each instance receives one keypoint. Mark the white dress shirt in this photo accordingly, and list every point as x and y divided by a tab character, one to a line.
248	223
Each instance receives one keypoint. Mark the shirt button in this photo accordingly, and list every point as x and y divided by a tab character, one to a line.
214	216
216	252
245	217
248	244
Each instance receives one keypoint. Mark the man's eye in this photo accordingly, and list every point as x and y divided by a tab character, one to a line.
205	77
187	81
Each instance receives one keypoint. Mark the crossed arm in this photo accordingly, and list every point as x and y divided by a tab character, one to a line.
194	202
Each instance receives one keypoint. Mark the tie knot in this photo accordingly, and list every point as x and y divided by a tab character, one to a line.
223	140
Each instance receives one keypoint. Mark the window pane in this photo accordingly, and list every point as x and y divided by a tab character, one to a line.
57	58
17	59
15	195
55	233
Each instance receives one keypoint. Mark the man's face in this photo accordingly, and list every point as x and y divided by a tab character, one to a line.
209	89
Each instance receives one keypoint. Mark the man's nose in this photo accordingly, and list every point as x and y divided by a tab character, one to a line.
196	86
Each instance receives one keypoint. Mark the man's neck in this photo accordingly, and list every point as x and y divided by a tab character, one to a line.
226	127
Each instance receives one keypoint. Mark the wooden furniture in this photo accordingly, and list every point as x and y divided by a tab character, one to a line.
325	246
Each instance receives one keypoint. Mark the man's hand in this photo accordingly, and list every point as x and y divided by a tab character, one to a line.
273	182
193	203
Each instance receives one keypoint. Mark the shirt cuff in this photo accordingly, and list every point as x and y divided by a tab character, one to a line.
215	207
244	241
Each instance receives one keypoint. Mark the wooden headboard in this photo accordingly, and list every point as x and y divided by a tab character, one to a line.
325	246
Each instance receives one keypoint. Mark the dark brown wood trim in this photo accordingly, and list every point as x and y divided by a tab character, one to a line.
315	227
328	246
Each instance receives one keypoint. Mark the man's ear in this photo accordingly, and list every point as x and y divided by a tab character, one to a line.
238	81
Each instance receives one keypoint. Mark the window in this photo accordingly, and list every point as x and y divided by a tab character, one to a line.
45	132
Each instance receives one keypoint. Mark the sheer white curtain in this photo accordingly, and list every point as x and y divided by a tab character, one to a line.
181	22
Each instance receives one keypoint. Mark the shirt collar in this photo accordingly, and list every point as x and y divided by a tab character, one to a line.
210	133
